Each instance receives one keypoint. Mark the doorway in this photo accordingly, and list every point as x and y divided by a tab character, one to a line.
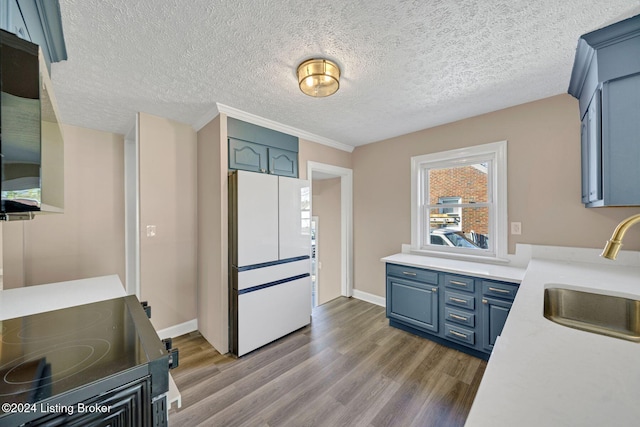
331	188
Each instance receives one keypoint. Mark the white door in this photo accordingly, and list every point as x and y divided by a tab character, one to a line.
257	218
295	217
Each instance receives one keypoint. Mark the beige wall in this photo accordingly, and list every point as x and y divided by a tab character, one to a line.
88	239
168	262
311	151
326	206
543	183
213	318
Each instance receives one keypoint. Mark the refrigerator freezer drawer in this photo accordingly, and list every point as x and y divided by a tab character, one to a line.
273	273
268	314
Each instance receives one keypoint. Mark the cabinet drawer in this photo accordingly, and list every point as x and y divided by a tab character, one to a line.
460	300
459	334
497	289
459	316
459	282
412	273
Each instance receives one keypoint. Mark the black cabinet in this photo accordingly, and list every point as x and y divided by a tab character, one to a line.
606	81
124	406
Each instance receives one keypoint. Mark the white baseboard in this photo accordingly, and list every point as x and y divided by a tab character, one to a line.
177	330
373	299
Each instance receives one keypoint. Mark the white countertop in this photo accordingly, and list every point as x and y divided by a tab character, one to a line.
490	271
53	296
542	373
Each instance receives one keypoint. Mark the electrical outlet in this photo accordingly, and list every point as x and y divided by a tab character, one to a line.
151	230
516	228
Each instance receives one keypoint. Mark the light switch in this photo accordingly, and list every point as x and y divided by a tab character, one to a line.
151	230
516	228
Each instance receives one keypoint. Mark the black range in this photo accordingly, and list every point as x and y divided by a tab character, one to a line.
94	364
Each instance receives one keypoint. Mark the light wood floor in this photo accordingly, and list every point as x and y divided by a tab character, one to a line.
349	368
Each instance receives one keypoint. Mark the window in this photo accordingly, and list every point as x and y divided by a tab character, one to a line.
454	213
459	201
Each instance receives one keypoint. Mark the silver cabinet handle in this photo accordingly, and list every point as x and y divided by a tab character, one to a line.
434	290
458	300
455	316
263	170
484	301
407	273
500	291
458	334
455	282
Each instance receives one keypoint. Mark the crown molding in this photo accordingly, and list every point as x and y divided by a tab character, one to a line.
270	124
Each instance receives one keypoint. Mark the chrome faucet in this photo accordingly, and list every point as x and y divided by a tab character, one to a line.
614	244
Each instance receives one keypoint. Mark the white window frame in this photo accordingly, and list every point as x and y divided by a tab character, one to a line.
496	152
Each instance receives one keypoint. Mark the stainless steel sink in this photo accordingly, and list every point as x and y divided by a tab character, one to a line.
600	314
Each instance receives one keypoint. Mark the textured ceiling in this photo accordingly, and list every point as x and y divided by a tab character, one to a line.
406	65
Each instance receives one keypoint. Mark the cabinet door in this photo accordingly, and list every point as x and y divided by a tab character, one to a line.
294	217
256	218
584	151
283	162
247	156
591	141
413	303
494	316
621	143
16	23
595	148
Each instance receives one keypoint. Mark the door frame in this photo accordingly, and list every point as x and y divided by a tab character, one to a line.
346	218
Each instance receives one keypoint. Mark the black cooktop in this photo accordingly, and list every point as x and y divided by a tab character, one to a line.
49	354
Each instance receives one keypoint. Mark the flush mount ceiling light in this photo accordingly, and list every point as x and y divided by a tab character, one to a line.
318	77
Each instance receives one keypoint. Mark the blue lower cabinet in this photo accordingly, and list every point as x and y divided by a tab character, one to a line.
494	316
458	333
461	317
463	312
413	303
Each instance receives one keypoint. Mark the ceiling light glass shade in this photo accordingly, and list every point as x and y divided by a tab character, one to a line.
318	77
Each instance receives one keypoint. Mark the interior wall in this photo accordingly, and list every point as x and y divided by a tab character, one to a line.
544	186
168	261
87	240
213	295
326	206
311	151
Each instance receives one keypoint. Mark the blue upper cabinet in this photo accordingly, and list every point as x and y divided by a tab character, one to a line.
12	20
606	81
248	156
259	149
283	162
37	21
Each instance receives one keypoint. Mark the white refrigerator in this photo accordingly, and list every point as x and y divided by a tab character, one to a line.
269	256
